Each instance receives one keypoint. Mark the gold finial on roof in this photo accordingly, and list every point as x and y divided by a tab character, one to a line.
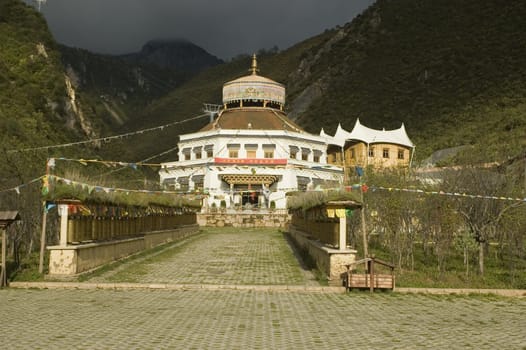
254	68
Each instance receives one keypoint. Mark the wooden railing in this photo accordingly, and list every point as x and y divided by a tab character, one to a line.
372	278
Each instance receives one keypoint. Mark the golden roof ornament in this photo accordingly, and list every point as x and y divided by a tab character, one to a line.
254	68
254	87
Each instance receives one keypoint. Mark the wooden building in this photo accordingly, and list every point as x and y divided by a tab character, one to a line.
366	147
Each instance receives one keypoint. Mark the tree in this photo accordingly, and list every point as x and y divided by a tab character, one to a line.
395	218
481	215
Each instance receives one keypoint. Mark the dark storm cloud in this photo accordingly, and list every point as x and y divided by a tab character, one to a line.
224	28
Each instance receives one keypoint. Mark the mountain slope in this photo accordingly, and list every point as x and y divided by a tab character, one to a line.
175	54
34	104
119	87
453	72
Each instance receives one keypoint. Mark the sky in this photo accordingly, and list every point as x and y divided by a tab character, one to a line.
225	28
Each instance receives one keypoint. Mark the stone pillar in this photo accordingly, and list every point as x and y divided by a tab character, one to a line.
63	213
343	233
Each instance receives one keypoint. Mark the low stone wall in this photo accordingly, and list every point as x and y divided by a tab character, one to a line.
329	261
153	239
74	259
248	220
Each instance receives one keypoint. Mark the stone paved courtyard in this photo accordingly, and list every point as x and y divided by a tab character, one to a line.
101	319
248	319
218	256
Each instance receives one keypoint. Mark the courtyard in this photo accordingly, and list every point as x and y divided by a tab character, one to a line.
262	316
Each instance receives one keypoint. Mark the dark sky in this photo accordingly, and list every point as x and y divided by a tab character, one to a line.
224	28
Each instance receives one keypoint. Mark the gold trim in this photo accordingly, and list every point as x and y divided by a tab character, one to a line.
245	179
254	68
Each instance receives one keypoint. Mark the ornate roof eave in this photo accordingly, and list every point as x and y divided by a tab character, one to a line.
371	136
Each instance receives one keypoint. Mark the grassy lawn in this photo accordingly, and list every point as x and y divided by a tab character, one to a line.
499	272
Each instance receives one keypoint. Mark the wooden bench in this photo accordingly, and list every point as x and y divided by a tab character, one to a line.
370	279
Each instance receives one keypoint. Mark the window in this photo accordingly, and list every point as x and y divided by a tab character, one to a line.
386	152
209	149
353	154
198	181
251	150
371	152
269	154
233	150
268	150
187	153
182	183
293	152
305	153
198	152
303	181
400	154
316	156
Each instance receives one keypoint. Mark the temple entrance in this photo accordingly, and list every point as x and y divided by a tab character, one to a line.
250	190
250	197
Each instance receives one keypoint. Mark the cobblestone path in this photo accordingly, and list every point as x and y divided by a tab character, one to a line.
102	319
257	318
218	256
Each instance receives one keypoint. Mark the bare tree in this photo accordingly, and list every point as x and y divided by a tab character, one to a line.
480	215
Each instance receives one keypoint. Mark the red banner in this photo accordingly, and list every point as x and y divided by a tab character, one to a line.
251	161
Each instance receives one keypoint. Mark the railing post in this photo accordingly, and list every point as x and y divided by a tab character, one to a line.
343	232
42	240
3	273
372	275
63	213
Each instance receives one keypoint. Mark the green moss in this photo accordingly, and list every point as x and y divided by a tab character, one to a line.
311	199
61	190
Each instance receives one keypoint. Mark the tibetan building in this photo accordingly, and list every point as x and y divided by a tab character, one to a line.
365	147
251	154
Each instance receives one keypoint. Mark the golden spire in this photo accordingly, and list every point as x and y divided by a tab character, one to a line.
254	68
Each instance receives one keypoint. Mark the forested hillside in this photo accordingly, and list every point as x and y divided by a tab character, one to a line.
34	104
453	72
119	87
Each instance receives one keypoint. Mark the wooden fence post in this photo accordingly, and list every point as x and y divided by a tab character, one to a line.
6	219
3	273
42	241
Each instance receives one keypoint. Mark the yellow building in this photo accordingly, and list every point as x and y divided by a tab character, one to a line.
365	147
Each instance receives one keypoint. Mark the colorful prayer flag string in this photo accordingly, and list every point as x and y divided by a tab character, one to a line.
442	193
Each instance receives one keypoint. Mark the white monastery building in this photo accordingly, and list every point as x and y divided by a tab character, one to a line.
251	154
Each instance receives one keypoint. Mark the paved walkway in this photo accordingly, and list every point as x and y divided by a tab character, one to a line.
145	319
219	256
249	309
